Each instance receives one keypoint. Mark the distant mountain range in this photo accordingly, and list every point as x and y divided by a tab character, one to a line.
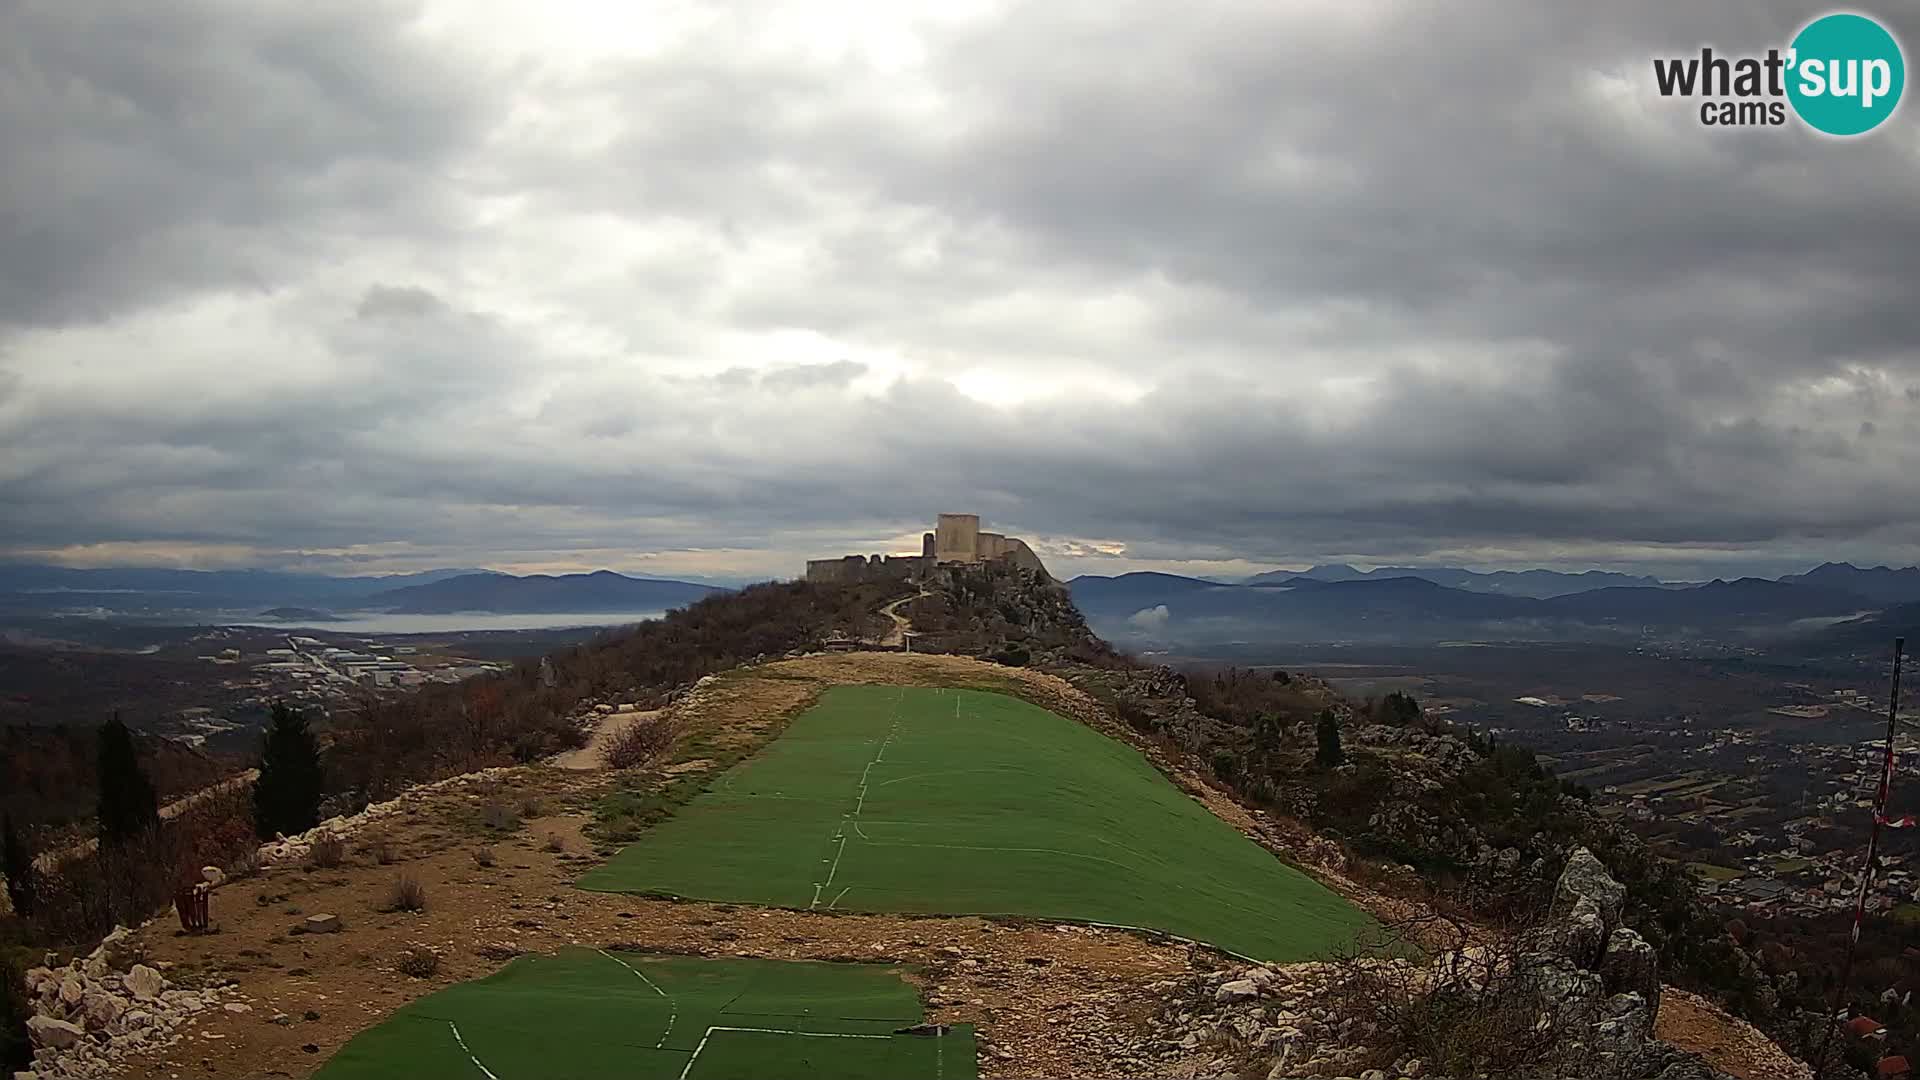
1326	603
602	590
216	594
1536	583
1878	583
1372	607
33	589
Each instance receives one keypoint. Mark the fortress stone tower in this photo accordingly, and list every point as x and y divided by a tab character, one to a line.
956	538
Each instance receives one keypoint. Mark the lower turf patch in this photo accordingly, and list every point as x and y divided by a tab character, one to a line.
904	799
587	1015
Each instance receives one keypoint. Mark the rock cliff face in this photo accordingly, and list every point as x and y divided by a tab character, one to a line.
1576	996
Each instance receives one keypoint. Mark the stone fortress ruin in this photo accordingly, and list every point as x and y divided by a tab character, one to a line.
956	538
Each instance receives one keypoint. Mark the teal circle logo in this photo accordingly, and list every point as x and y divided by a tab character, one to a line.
1845	74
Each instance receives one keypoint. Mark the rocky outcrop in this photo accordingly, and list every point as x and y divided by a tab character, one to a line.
98	1009
1583	989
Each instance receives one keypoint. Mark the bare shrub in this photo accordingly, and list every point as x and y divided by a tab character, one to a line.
418	961
497	815
244	865
554	843
406	894
641	743
483	857
382	851
328	851
532	807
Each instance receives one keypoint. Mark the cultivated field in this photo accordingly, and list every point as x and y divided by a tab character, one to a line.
902	799
588	1014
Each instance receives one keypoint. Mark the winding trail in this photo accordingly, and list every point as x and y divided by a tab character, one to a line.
902	626
593	754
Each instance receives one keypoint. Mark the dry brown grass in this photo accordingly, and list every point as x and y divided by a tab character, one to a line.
406	894
641	743
328	852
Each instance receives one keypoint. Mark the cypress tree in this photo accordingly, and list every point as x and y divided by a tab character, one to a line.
128	805
286	798
17	863
1327	728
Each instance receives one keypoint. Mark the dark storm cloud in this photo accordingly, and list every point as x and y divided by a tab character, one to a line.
157	149
1262	283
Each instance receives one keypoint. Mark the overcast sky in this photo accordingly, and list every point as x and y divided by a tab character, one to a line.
708	288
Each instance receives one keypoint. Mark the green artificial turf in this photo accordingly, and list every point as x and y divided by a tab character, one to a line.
588	1015
884	798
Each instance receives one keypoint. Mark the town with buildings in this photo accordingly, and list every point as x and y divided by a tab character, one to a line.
308	672
1772	826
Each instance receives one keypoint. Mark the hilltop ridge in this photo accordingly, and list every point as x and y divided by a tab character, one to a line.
1414	821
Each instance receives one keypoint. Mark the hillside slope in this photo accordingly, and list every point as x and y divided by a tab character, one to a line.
1416	821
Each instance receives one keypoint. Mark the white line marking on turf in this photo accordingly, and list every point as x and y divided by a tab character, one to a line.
488	1073
952	772
673	1009
859	805
828	884
837	899
766	1031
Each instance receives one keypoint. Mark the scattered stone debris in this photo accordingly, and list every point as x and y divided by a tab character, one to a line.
294	848
95	1011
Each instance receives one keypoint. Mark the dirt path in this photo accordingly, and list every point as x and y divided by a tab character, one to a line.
1728	1043
897	637
610	727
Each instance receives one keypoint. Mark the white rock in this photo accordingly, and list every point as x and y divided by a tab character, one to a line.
57	1034
102	1009
72	991
237	1007
144	982
1236	990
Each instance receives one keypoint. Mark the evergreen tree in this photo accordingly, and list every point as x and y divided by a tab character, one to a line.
16	1042
1327	730
286	798
128	805
17	863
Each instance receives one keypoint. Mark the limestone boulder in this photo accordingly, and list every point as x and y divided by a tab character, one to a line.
101	1009
1237	990
1586	877
1580	934
1630	966
55	1034
144	983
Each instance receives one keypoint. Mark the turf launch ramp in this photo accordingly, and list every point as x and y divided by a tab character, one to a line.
588	1014
943	801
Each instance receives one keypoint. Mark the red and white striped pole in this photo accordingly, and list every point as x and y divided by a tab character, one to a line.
1873	853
